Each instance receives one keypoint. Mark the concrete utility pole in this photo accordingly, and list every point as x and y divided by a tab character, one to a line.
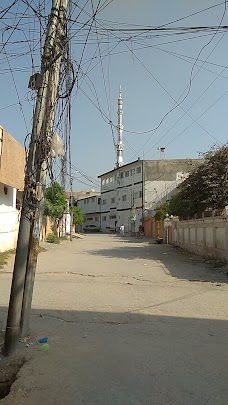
35	177
63	173
71	205
58	48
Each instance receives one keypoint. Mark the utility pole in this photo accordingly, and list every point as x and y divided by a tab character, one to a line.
58	49
63	173
71	207
35	177
32	256
133	204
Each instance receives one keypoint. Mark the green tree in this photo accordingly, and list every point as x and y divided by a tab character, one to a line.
78	217
55	203
161	211
206	188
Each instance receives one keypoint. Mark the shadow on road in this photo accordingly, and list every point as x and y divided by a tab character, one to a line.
123	358
182	265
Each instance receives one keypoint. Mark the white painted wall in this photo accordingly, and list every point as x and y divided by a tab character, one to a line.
123	187
155	191
119	189
90	207
159	191
206	236
91	219
9	218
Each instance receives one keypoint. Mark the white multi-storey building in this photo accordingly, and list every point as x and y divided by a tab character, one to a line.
90	207
130	191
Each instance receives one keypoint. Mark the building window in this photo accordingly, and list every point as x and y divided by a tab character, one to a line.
113	200
88	201
112	217
124	198
138	194
132	172
89	219
84	201
121	175
96	219
103	182
103	202
127	173
93	199
99	200
138	170
104	218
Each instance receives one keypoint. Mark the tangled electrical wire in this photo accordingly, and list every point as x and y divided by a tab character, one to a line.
23	28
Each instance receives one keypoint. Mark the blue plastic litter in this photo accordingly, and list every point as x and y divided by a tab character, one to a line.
43	340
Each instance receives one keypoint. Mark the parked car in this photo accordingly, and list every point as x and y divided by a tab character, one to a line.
91	228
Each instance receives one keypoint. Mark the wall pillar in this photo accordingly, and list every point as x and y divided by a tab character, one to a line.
226	236
14	197
213	226
196	239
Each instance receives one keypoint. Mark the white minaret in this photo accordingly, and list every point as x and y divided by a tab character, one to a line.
119	146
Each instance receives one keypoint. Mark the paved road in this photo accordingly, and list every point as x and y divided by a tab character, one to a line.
128	323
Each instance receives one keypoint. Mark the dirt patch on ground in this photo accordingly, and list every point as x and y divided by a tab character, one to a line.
6	257
9	368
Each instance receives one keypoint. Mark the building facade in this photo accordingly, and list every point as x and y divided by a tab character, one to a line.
90	207
12	166
80	195
129	192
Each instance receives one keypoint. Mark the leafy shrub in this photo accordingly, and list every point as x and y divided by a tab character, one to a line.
51	238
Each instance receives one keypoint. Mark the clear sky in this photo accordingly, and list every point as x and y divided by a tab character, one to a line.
153	68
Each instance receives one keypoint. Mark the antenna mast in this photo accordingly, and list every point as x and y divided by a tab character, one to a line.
119	146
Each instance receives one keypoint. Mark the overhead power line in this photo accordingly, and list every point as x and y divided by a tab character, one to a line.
164	29
178	135
170	22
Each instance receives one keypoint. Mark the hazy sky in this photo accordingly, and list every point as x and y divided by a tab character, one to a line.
153	69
